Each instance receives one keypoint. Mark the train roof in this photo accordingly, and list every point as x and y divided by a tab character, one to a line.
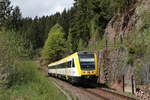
65	58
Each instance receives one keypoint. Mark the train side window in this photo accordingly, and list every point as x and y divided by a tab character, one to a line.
56	66
59	66
63	65
72	63
69	64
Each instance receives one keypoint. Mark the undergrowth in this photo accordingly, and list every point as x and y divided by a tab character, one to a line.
31	84
20	78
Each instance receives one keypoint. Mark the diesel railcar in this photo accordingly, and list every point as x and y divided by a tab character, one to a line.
77	68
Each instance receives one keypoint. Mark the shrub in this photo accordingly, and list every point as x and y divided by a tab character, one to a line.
13	49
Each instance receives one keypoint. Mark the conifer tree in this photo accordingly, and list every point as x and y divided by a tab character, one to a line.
5	11
16	18
79	24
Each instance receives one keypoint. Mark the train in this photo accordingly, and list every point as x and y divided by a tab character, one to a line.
79	67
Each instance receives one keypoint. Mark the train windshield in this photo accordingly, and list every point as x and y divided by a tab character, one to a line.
87	61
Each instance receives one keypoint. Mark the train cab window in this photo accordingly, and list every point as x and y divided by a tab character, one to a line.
87	61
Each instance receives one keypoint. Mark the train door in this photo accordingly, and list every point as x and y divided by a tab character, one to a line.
66	70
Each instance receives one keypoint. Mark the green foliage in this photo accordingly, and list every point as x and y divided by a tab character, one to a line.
138	46
5	11
103	12
64	21
86	20
15	19
81	45
22	72
55	45
13	45
20	77
30	84
98	45
103	9
79	28
34	30
13	48
89	20
119	6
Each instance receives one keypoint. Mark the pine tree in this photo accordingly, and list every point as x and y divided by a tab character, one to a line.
80	24
64	21
16	18
5	11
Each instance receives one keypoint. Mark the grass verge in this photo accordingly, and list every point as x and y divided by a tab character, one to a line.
34	86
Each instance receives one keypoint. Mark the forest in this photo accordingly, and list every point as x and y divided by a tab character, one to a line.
78	23
83	27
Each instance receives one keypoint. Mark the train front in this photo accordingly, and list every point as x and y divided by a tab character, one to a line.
88	66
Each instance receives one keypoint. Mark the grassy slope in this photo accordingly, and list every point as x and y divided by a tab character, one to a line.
38	88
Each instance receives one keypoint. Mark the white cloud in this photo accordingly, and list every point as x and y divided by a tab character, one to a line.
32	8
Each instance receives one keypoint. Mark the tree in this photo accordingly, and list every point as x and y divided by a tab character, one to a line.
64	21
103	12
5	11
16	18
13	49
79	28
55	46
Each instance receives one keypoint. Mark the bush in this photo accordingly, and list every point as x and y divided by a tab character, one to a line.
19	76
30	84
23	72
13	49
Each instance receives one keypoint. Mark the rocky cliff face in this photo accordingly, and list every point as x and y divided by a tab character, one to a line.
122	24
119	30
130	21
126	36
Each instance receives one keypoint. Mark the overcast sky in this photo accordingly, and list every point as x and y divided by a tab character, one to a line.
32	8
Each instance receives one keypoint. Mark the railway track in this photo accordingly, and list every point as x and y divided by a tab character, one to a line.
111	95
95	94
117	96
91	93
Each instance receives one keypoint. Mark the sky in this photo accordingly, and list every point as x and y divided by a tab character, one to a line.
32	8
